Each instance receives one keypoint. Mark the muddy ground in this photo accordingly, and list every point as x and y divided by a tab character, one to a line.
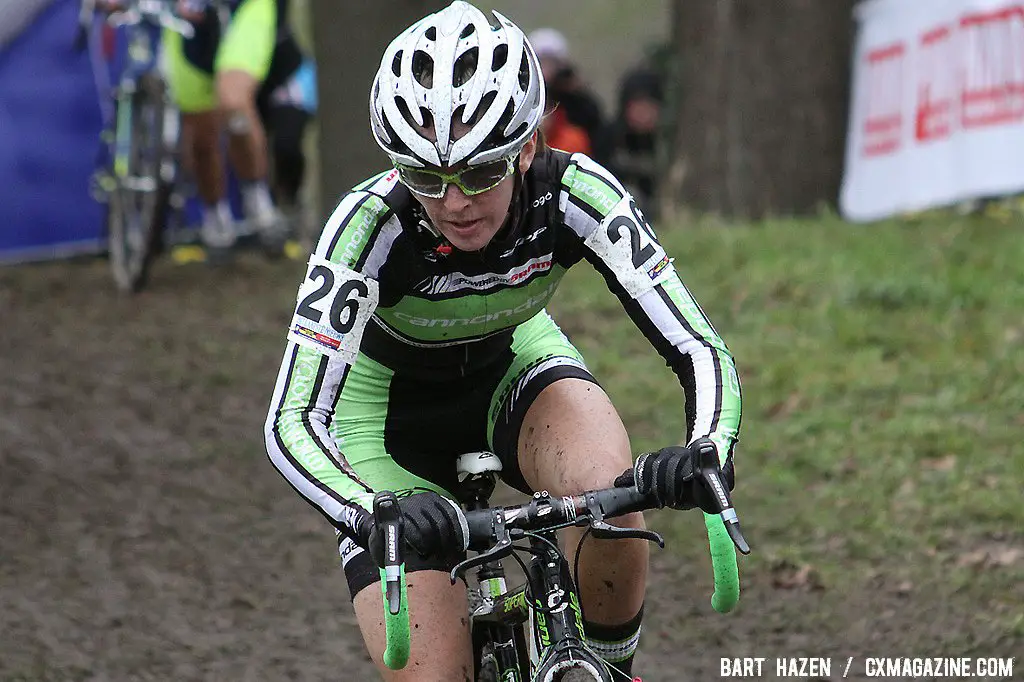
145	536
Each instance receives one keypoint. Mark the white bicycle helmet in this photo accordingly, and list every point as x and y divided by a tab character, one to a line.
455	65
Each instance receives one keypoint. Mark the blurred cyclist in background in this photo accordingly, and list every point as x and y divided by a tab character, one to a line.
214	78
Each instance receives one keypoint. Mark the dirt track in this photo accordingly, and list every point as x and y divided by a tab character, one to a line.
144	535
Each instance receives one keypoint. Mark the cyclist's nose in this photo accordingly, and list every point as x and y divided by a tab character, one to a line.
454	199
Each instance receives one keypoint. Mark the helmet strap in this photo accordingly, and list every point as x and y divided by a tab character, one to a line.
516	208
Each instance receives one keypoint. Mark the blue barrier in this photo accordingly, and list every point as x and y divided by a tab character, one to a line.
50	123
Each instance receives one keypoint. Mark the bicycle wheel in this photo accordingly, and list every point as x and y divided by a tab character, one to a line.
582	672
138	202
571	663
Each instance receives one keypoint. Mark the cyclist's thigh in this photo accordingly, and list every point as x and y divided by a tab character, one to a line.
248	43
393	433
191	87
441	648
572	439
544	357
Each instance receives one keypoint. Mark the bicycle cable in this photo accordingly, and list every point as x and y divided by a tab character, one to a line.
530	592
576	567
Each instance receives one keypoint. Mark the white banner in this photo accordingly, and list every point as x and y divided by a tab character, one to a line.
937	108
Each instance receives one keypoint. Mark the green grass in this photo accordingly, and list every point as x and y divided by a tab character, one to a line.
882	378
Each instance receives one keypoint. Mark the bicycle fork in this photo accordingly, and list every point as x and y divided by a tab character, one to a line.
556	618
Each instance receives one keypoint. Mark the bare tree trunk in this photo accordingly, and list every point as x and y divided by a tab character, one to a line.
350	38
761	91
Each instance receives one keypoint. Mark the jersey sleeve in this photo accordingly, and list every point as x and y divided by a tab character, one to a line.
617	239
335	302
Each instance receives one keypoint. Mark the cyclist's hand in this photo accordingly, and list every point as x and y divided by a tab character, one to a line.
433	526
672	475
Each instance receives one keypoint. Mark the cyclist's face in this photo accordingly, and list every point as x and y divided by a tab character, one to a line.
470	222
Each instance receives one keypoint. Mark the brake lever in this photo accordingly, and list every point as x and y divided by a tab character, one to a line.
605	531
500	550
711	478
388	517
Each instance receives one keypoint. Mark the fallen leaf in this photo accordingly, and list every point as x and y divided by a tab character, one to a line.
907	488
1005	556
784	408
788	576
991	557
946	463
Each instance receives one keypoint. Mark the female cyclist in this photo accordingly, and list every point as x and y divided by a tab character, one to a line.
420	334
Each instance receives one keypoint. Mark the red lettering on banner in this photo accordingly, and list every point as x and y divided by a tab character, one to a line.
883	120
936	88
993	83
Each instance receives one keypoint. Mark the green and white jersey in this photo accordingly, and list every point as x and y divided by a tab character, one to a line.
379	290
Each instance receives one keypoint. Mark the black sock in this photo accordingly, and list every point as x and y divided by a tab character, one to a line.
616	644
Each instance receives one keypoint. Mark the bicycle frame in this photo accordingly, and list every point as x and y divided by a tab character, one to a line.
555	618
143	25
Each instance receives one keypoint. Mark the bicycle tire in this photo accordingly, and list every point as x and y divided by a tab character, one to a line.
135	216
573	664
578	675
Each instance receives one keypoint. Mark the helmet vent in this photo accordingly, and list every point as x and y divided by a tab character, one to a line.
498	134
396	64
397	144
481	109
430	33
465	66
520	130
428	118
500	57
524	73
403	109
469	30
423	68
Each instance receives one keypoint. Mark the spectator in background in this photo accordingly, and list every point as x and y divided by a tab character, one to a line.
286	110
574	119
560	133
628	148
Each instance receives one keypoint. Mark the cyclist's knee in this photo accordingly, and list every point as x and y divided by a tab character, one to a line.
236	94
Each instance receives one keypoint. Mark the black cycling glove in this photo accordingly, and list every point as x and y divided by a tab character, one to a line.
432	525
672	475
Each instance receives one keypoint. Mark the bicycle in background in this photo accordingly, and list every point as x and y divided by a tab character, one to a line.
139	178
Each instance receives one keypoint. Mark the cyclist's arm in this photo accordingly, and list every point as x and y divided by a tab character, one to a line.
620	244
334	304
